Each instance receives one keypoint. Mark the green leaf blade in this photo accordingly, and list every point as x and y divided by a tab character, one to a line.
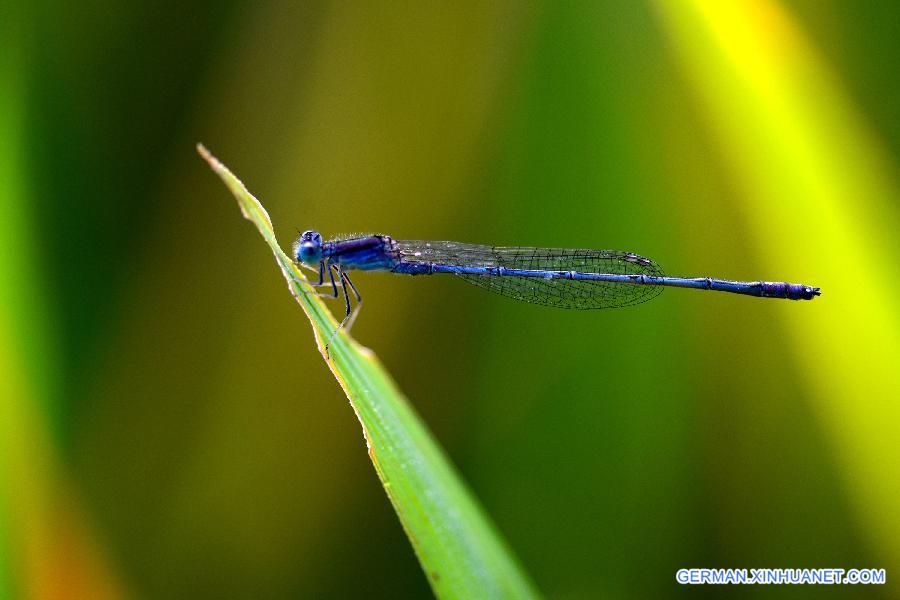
461	552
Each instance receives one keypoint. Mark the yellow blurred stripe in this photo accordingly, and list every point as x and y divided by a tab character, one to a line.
819	197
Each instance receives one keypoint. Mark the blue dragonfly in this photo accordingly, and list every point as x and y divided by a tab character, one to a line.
558	277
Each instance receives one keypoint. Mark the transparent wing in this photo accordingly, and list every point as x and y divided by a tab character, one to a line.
561	293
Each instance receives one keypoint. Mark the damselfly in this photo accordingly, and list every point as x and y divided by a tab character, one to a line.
560	277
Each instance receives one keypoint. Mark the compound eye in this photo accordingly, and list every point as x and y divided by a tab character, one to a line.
308	248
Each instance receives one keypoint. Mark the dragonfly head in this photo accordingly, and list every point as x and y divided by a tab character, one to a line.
308	248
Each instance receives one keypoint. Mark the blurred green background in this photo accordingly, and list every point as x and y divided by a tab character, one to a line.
150	444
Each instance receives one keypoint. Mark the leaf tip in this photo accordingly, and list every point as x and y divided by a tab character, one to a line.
245	199
207	156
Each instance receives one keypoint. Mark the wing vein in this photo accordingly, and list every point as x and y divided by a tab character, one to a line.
561	293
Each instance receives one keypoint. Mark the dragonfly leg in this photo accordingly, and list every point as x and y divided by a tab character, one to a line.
349	315
353	316
331	276
321	283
